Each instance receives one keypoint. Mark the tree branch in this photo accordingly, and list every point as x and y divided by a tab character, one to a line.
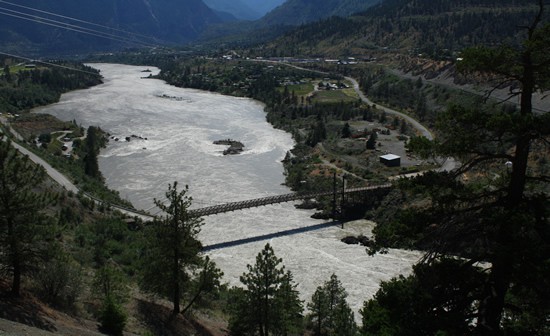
474	162
545	179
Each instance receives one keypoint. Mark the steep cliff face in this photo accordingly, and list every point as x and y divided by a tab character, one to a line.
170	21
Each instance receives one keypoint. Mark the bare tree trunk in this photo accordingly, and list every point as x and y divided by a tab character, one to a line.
492	304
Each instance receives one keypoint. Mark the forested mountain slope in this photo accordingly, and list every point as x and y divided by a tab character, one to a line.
419	26
296	12
166	21
282	19
236	8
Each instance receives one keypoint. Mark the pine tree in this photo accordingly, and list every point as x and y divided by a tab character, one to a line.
330	313
22	226
7	73
499	213
172	251
93	145
269	304
289	308
346	131
371	142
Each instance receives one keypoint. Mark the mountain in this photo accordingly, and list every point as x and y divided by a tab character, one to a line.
237	9
263	6
165	21
436	28
281	19
297	12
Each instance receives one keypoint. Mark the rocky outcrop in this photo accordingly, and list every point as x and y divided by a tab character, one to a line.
235	147
359	240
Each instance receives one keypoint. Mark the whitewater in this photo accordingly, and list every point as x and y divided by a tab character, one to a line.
173	132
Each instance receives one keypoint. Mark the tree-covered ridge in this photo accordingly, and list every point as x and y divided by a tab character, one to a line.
130	24
296	12
23	87
436	28
423	7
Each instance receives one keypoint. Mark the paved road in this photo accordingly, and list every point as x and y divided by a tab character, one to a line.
52	172
62	179
448	164
421	128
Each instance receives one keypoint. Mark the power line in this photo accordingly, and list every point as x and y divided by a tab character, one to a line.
71	27
50	64
77	20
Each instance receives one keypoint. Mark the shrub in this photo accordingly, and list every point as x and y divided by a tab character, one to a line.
112	318
59	282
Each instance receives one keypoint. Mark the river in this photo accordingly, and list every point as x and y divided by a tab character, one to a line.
180	126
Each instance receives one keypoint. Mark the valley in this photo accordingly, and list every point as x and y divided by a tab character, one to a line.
414	133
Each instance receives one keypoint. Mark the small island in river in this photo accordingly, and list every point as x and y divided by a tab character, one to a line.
235	147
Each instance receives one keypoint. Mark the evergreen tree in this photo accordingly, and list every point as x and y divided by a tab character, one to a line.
112	317
23	227
382	117
371	142
437	299
495	215
346	131
269	304
207	281
172	251
289	308
7	73
110	282
330	313
318	133
93	145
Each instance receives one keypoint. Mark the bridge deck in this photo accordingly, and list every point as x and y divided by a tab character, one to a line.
233	206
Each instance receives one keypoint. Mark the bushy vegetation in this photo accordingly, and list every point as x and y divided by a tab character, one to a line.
291	104
26	88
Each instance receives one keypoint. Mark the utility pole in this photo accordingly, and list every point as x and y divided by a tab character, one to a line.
343	199
334	196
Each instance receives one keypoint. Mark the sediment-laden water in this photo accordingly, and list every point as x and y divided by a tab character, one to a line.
180	126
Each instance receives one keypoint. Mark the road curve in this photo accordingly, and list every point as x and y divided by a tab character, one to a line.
424	131
421	128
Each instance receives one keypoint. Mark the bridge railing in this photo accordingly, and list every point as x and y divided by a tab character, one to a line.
239	205
233	206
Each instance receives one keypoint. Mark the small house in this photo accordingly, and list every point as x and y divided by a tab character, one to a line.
390	160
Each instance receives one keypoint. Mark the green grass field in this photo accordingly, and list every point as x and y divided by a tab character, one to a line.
301	89
346	95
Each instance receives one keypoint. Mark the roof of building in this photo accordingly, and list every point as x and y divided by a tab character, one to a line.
390	157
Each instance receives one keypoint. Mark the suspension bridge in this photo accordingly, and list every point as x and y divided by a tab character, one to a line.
258	202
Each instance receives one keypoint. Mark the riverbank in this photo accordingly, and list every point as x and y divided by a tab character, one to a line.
328	116
180	148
